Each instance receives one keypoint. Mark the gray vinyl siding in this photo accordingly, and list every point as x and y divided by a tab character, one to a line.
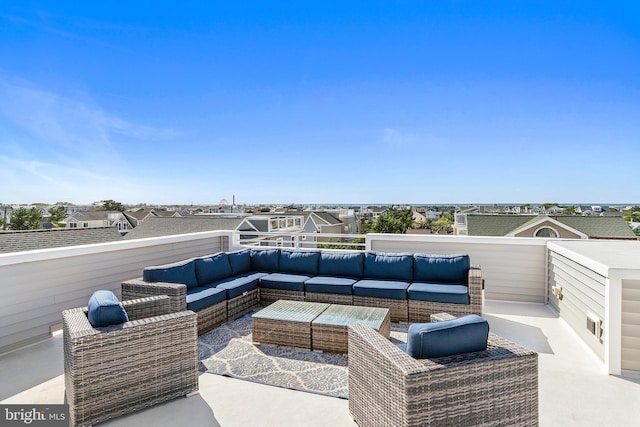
630	362
35	288
583	291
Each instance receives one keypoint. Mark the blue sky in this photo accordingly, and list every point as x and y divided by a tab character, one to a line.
320	102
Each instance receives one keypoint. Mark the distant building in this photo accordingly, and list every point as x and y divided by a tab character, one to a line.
92	219
157	226
28	240
137	216
563	226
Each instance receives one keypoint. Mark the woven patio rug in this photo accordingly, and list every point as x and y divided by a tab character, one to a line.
228	350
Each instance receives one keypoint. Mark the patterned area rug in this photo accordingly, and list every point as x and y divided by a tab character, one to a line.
228	350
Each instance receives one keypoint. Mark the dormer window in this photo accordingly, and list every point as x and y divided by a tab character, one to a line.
546	232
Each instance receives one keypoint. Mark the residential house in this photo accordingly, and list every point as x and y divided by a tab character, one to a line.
27	240
564	226
92	219
157	226
139	215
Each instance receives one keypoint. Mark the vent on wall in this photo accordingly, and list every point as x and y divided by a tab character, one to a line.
594	325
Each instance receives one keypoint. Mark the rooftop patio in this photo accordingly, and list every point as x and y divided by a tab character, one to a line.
573	390
574	385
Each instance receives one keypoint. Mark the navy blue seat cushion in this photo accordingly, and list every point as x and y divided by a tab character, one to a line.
381	288
299	262
238	285
340	264
378	265
439	339
104	309
437	292
212	268
330	285
181	272
265	260
441	268
240	261
289	282
200	297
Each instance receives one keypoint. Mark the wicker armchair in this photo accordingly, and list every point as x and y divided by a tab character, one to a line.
496	387
116	370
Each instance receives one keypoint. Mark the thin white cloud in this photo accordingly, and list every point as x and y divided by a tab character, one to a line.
400	139
65	148
66	122
34	181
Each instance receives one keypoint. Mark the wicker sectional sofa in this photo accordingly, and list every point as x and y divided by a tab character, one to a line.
226	285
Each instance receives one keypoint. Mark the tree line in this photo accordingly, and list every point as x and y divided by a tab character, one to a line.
31	218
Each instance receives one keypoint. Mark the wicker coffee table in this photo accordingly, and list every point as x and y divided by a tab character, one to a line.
286	323
329	330
313	325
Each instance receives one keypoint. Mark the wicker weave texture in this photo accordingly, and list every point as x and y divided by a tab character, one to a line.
397	307
243	304
328	298
496	387
138	288
329	330
212	316
119	369
286	323
269	296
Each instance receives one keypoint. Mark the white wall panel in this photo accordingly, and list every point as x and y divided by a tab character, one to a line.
35	286
630	326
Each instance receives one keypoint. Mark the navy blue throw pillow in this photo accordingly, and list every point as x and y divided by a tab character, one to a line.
439	339
104	309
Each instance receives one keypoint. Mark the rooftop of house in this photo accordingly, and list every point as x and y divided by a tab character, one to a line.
156	226
592	226
27	240
328	218
95	215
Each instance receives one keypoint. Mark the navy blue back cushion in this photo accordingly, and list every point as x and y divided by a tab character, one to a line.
240	261
299	262
340	264
265	260
439	339
441	268
104	309
388	266
213	268
182	272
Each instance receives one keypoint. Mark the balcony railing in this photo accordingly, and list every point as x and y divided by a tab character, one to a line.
301	240
582	280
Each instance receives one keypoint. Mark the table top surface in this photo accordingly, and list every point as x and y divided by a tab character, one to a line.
343	315
321	313
294	311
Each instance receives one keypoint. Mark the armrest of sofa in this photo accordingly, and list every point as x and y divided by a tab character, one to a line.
378	372
147	307
138	288
476	285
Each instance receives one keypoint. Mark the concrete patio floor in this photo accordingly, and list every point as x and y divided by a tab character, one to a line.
573	388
